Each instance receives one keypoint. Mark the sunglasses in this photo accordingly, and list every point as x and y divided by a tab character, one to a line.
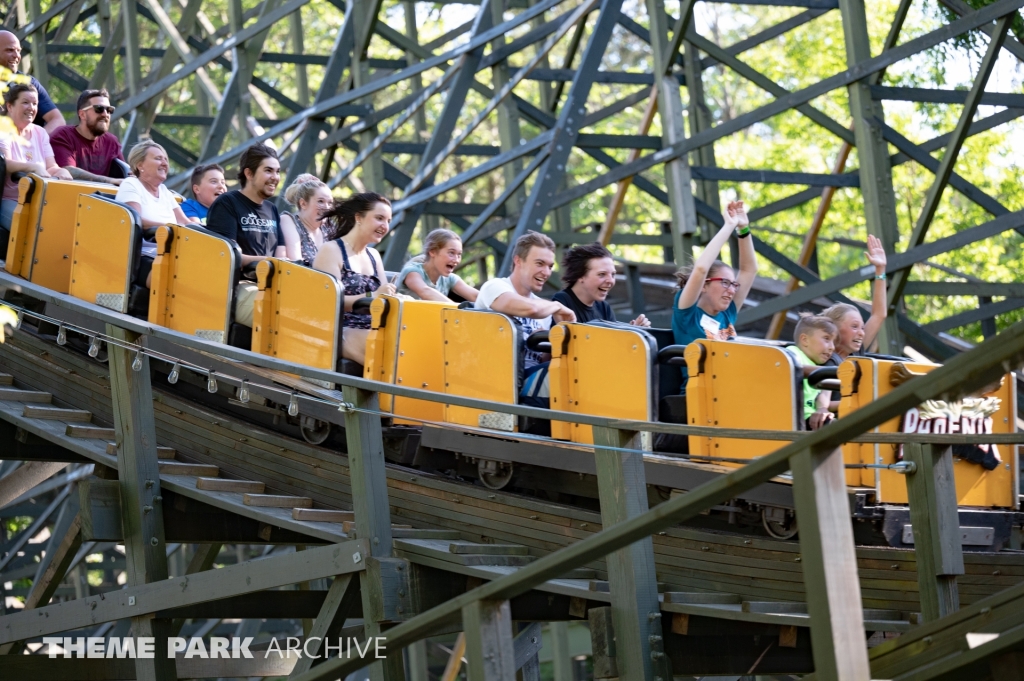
726	283
100	109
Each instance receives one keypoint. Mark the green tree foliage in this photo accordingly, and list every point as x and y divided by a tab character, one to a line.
786	142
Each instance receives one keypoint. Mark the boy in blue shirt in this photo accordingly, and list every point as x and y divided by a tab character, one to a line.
207	184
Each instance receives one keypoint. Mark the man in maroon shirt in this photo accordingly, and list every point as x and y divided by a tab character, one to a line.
87	149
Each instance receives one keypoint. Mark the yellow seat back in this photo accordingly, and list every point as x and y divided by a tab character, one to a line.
43	231
481	360
582	379
975	486
297	314
405	347
193	282
740	385
107	242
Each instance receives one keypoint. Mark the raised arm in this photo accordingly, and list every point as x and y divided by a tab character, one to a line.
748	258
691	292
876	256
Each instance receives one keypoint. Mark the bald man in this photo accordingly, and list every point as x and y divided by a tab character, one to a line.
48	116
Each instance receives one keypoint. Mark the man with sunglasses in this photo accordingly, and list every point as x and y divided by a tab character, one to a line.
87	150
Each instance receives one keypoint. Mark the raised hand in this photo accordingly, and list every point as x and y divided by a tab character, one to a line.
875	253
736	214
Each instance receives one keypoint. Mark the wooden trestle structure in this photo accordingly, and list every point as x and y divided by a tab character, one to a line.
417	555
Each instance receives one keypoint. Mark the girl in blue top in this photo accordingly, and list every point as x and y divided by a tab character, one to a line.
710	293
431	276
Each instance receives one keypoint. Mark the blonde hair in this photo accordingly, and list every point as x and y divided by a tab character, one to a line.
138	154
435	241
838	311
303	188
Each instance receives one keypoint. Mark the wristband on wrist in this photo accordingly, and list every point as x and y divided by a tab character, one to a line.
880	276
743	231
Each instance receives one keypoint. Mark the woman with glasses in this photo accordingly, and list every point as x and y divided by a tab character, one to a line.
710	293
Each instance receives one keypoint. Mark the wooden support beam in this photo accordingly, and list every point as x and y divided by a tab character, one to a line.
811	238
372	516
936	524
608	227
417	657
139	480
949	158
561	658
872	152
211	585
202	560
64	543
451	670
526	646
830	566
332	615
602	643
631	574
678	177
488	630
25	477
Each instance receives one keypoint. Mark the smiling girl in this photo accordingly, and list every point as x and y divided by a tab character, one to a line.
363	220
854	333
431	276
711	293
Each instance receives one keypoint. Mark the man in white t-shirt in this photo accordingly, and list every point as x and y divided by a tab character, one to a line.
516	296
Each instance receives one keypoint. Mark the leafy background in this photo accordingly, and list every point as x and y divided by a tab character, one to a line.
787	142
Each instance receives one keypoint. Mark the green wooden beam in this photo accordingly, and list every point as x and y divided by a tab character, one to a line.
177	592
373	518
622	488
678	178
138	473
949	158
488	628
935	519
829	562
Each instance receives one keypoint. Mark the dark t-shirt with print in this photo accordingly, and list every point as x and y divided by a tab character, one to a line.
256	228
600	310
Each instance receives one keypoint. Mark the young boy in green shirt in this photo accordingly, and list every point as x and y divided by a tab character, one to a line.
815	342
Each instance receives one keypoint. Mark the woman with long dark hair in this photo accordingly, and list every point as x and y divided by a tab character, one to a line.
362	220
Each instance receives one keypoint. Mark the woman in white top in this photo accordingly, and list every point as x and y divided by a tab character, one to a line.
21	101
146	193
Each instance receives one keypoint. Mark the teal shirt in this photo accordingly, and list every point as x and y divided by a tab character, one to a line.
443	285
692	323
810	394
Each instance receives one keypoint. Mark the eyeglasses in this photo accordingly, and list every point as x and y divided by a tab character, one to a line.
100	109
726	283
